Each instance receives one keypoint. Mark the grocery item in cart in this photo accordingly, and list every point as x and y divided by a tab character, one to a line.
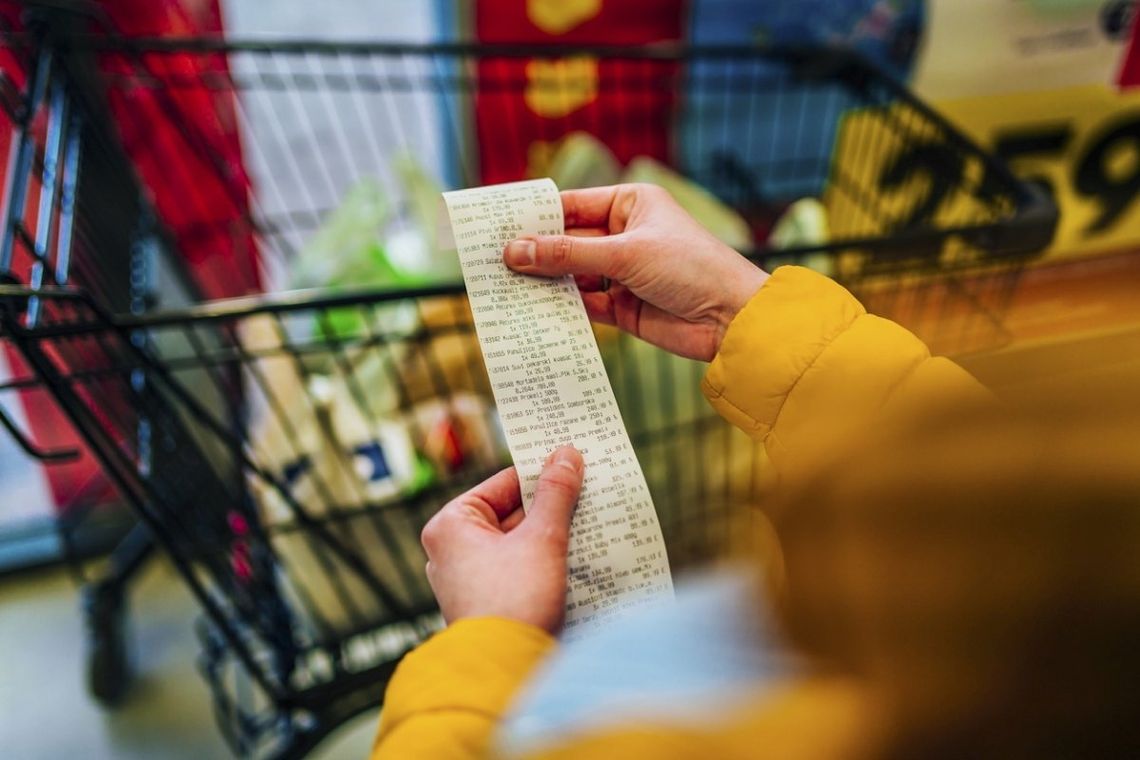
367	242
582	160
345	468
416	243
346	250
406	406
717	217
408	378
802	225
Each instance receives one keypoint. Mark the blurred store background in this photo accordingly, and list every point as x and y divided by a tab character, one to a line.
1048	86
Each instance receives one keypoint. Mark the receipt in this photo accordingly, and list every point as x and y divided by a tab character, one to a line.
551	389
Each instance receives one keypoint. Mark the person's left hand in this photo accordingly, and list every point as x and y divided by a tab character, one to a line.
485	558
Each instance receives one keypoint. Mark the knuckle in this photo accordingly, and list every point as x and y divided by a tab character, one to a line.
561	485
649	190
661	201
557	539
561	251
432	533
620	255
551	533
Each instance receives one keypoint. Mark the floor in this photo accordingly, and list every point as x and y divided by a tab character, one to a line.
46	713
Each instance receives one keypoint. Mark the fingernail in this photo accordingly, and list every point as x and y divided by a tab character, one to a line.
520	253
567	457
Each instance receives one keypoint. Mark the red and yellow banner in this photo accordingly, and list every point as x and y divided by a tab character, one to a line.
523	107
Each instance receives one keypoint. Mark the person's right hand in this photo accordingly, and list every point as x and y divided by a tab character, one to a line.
671	282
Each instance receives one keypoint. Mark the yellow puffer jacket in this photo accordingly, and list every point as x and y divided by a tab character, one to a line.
803	368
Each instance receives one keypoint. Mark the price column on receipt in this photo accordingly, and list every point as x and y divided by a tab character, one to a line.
552	389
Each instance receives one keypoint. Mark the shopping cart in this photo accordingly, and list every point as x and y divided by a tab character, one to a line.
90	518
284	450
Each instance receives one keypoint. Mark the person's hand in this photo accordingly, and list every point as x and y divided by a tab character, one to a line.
485	558
671	282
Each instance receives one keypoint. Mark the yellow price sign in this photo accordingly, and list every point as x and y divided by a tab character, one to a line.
1081	144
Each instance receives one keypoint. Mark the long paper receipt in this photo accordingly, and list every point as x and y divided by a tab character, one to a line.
551	389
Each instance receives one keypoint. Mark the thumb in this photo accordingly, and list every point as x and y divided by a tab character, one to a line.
555	255
556	494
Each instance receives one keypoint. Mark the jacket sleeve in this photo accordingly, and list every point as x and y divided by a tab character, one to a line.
448	695
803	366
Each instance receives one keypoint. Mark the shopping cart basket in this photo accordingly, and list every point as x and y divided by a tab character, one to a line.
285	450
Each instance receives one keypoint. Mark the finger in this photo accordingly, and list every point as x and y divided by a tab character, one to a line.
485	506
590	283
555	255
556	495
511	521
587	231
599	307
589	207
626	308
499	493
675	335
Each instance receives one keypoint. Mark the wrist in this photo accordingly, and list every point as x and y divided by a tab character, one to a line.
551	624
533	629
740	288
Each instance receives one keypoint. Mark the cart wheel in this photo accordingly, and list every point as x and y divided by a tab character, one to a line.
108	670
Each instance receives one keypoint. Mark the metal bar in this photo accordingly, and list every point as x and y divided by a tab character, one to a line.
68	187
652	51
20	161
49	189
31	449
121	472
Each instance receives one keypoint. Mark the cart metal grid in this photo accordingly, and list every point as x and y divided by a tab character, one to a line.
310	580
